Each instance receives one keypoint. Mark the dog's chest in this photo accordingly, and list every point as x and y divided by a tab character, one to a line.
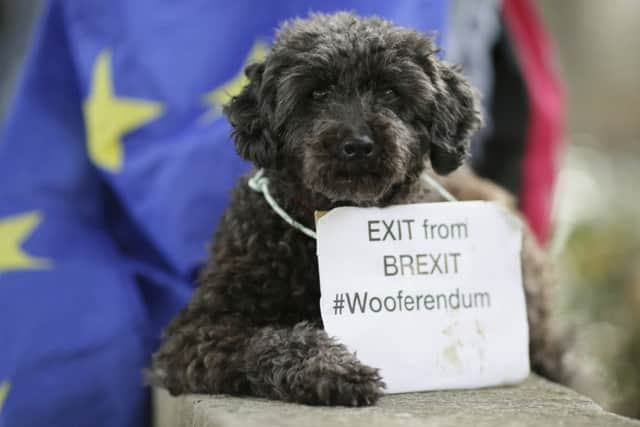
304	279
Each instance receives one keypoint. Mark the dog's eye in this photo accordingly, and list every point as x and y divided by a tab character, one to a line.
389	92
320	93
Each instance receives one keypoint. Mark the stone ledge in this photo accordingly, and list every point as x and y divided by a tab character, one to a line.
536	402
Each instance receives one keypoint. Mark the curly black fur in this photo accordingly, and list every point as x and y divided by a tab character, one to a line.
253	326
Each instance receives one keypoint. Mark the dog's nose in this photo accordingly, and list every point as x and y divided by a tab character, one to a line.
359	147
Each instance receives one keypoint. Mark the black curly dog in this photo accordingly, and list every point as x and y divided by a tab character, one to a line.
343	111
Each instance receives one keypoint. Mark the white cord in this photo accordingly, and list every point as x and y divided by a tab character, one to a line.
429	180
260	184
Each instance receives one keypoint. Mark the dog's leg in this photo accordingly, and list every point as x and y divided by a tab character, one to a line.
299	364
545	345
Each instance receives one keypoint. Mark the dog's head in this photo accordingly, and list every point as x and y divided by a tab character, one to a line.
352	107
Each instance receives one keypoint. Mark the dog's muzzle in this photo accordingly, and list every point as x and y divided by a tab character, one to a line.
358	148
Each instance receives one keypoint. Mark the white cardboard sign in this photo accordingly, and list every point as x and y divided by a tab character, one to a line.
430	293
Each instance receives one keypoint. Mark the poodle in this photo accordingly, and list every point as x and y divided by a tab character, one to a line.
344	111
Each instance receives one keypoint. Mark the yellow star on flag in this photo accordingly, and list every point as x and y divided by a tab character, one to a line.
14	230
4	391
218	97
109	117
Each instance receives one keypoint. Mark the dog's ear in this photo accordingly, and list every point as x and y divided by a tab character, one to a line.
246	114
455	116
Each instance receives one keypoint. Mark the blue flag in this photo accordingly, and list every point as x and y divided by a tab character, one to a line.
115	166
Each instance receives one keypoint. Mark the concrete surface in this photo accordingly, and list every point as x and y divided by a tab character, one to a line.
536	402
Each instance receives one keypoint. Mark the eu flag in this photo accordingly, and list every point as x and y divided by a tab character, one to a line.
115	165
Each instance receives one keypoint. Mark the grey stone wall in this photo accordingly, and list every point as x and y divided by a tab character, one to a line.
536	402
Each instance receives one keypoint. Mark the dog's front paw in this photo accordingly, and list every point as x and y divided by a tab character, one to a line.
328	380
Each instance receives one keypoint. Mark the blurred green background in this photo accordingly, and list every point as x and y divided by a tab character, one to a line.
596	245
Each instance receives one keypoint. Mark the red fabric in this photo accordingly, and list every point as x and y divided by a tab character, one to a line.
546	112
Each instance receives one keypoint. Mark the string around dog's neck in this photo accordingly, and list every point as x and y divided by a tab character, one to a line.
260	184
